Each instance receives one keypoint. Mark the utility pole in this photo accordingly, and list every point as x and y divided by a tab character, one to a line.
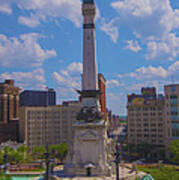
47	154
47	161
117	160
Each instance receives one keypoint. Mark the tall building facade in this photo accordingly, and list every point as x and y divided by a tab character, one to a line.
38	98
102	87
9	111
146	121
40	126
172	112
9	101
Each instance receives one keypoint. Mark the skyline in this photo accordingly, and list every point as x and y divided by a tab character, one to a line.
41	45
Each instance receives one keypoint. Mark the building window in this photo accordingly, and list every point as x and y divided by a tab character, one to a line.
173	89
173	96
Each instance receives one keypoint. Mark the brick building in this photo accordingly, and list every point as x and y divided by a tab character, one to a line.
9	101
9	111
102	87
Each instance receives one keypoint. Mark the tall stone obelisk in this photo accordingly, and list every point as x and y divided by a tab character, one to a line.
89	77
90	92
88	154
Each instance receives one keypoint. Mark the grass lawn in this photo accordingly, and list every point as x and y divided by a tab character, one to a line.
163	173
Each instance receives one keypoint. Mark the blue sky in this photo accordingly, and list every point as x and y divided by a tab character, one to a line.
137	45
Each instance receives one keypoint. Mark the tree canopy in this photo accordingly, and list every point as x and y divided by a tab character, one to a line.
174	149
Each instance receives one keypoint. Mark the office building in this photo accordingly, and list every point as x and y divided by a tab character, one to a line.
9	111
171	113
9	101
146	121
38	98
48	125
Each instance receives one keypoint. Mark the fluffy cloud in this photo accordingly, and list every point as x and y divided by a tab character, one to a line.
24	51
166	49
114	83
31	21
5	8
24	80
150	76
153	22
151	73
75	67
68	80
133	46
110	29
149	18
66	9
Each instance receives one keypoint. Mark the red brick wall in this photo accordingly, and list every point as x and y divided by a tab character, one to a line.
102	87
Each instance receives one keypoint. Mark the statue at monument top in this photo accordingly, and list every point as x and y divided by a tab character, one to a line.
88	1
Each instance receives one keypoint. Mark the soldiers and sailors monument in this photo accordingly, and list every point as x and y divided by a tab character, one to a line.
88	155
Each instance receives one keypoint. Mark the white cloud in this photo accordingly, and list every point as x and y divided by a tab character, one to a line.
174	68
149	73
75	67
32	21
148	18
24	51
26	80
110	29
153	22
69	78
133	46
66	9
154	73
46	10
167	48
5	8
114	83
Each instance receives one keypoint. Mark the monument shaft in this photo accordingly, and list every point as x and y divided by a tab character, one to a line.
89	77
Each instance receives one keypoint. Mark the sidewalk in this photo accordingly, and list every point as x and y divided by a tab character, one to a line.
124	174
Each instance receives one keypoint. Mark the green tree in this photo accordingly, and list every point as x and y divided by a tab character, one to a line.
1	157
146	149
53	150
38	152
59	151
174	149
13	156
62	151
23	149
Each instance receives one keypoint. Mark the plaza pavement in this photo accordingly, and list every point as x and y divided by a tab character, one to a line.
124	174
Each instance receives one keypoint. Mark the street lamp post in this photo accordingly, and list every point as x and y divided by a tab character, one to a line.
46	154
117	160
47	161
5	161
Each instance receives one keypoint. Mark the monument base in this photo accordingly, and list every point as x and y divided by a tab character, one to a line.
88	155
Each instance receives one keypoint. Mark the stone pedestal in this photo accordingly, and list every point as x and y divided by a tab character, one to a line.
88	155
